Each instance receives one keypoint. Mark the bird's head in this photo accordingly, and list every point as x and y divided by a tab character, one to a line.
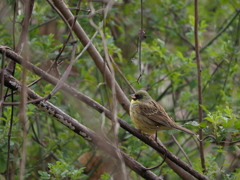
141	95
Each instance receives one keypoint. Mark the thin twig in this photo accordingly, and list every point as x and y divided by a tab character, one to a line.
66	73
10	127
120	72
181	149
2	82
95	55
44	23
221	31
199	70
140	38
115	124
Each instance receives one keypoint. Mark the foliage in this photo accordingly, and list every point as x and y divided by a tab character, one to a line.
62	170
223	122
169	73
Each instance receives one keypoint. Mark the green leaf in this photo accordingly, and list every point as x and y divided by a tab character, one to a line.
44	175
161	43
203	124
191	20
220	158
204	108
3	164
210	118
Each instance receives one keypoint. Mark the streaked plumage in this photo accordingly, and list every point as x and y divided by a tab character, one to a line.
148	115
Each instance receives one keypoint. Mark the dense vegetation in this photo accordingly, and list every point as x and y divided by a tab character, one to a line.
149	46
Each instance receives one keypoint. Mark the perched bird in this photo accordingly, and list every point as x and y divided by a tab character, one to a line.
149	116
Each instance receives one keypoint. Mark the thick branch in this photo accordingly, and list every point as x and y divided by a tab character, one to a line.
87	134
97	58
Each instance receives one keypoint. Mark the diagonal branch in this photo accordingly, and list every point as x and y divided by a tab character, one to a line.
89	135
79	96
97	58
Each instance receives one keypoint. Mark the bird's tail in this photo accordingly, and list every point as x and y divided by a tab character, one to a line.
186	130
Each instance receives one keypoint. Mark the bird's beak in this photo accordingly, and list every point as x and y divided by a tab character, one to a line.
133	96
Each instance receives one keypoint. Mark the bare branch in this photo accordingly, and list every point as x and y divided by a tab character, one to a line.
122	99
199	77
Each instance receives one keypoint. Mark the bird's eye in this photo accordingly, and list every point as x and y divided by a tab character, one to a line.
138	96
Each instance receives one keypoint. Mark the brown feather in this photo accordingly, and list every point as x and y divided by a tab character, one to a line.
149	116
155	112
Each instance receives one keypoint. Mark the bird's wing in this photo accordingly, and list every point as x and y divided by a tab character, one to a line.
156	113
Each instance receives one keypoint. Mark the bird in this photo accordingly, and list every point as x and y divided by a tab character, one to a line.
149	116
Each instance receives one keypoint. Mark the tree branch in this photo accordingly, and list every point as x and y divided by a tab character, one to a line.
89	135
79	96
97	58
199	77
